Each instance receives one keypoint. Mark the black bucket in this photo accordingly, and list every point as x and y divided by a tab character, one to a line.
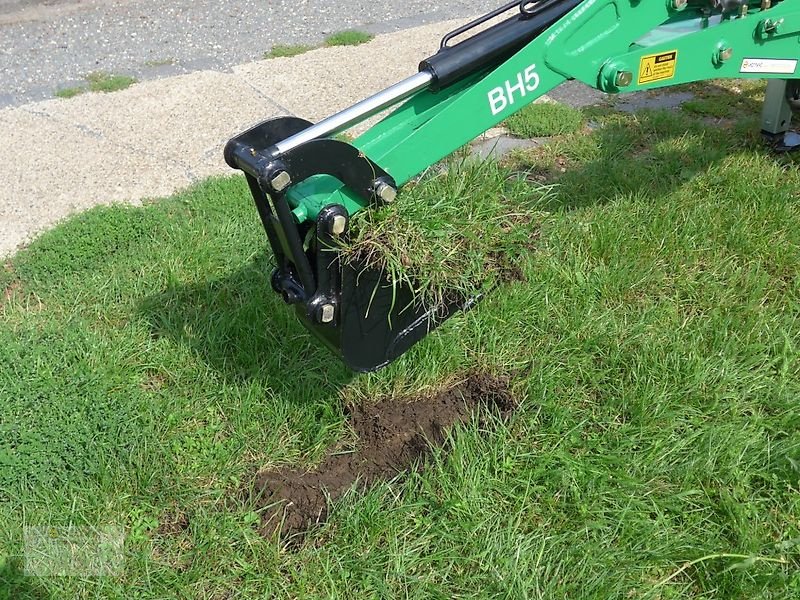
360	314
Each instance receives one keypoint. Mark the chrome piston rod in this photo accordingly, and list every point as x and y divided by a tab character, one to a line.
358	112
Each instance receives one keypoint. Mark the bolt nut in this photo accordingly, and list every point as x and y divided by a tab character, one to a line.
724	53
327	313
623	79
338	225
678	4
771	27
385	192
280	181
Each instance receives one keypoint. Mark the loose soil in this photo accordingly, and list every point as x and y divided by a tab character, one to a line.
11	290
394	435
12	285
173	522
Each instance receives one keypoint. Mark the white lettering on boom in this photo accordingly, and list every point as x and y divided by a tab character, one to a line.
503	96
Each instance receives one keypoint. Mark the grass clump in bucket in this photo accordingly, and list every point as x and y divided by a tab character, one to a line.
453	233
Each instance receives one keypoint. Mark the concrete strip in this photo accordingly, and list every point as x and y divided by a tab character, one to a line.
321	82
185	119
149	140
51	170
499	146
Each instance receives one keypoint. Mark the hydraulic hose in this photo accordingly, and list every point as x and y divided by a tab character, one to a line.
494	45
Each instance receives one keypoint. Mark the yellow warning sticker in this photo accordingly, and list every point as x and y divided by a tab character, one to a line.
658	67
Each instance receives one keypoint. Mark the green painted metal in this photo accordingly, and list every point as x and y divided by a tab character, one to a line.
612	45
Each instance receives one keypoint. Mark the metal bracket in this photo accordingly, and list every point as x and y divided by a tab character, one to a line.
781	98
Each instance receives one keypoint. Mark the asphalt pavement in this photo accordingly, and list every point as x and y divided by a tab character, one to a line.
46	45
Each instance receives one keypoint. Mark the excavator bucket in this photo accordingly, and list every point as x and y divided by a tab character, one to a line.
358	312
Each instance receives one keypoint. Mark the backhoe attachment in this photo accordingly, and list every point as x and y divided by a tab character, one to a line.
307	185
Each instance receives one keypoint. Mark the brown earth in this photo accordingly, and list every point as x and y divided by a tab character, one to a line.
394	435
11	290
13	286
173	522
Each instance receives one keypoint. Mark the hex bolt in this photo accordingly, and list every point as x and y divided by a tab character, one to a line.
623	79
338	225
385	192
678	4
280	181
724	53
327	313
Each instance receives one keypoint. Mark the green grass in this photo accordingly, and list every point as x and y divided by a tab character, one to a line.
98	81
545	119
350	37
724	99
146	371
453	233
288	50
108	82
341	38
69	92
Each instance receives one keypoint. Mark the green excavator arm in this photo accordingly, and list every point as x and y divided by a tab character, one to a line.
307	184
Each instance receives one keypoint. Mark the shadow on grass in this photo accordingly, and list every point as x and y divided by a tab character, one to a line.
648	155
239	327
15	585
719	101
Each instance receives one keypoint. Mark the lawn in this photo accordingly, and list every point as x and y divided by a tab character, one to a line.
147	373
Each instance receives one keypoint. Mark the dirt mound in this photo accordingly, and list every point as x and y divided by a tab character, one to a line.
394	435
